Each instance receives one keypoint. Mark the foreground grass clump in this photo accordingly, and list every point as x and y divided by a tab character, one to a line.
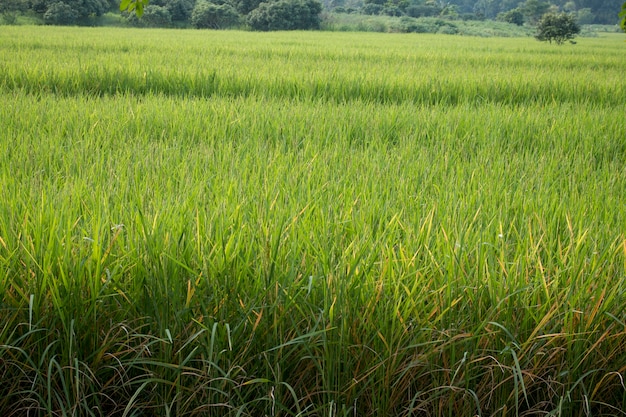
259	226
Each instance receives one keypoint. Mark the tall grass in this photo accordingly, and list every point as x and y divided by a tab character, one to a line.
278	246
339	67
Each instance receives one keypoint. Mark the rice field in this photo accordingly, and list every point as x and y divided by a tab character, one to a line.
199	223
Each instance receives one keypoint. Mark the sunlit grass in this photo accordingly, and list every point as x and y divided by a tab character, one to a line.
310	224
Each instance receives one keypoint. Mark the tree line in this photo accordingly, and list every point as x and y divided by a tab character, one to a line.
302	14
513	11
215	14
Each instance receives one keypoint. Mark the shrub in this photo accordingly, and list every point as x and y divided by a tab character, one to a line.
448	30
469	16
407	24
374	24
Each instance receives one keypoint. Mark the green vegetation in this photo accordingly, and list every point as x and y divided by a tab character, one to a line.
206	15
345	22
515	16
310	224
303	14
555	27
286	15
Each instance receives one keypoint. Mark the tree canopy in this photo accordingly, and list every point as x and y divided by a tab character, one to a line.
557	27
286	15
68	12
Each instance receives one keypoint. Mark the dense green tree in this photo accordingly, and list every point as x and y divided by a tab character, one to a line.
39	6
557	27
59	13
180	10
244	7
515	16
622	15
156	16
64	12
286	15
207	15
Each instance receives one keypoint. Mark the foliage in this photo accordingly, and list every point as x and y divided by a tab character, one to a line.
286	15
486	8
60	13
207	15
372	9
426	25
407	24
557	27
423	10
392	10
603	10
305	224
180	10
136	6
156	16
9	17
69	11
584	16
622	15
244	7
515	16
9	10
13	6
587	11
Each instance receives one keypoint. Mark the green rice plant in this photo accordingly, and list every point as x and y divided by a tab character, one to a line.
313	224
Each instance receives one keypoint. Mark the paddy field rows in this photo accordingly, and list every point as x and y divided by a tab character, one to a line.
337	224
